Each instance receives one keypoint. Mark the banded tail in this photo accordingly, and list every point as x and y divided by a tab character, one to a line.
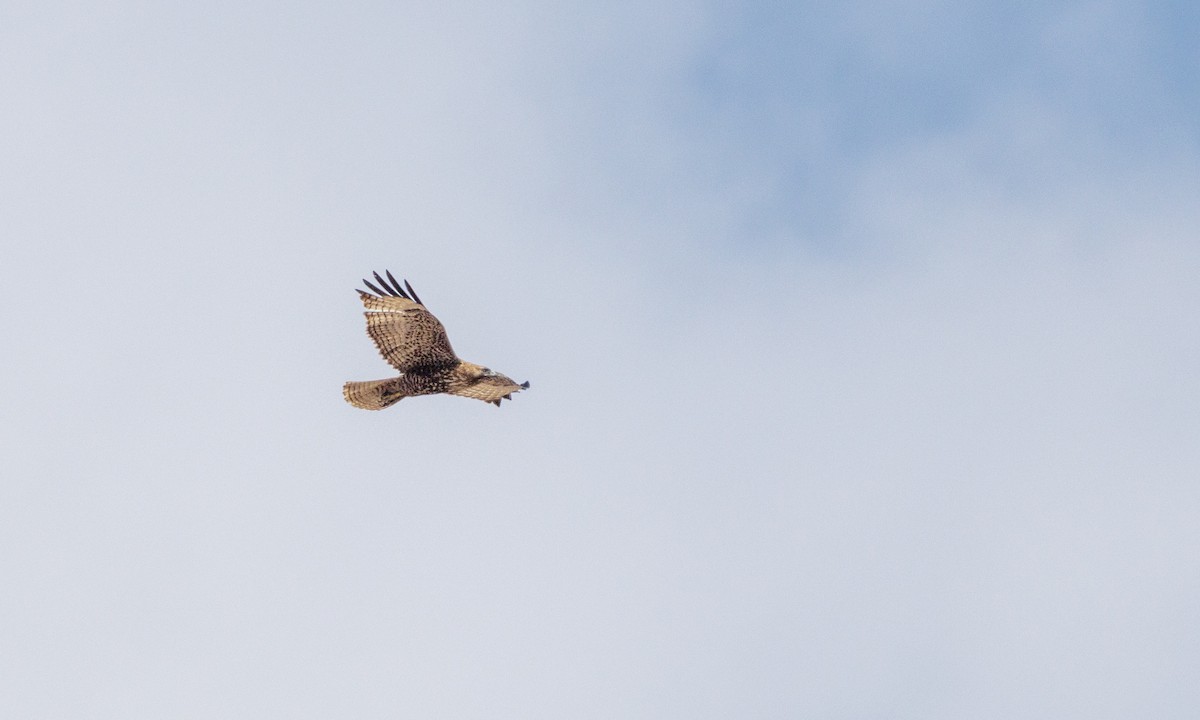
373	394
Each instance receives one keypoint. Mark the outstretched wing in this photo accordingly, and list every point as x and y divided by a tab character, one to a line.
407	335
491	389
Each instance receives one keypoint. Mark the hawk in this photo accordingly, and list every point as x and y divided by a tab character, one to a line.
412	340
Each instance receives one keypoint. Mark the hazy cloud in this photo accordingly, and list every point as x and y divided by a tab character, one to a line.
861	344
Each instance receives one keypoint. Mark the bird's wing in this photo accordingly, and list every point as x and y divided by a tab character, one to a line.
407	335
491	389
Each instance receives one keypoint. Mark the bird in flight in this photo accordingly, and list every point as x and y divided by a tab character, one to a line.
412	340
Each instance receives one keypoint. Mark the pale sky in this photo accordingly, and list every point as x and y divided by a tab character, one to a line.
863	345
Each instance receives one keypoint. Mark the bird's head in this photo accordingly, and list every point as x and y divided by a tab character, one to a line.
476	373
487	384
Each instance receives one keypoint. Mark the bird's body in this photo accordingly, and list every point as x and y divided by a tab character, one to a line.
414	342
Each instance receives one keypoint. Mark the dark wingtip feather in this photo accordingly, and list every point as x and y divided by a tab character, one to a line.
377	290
525	384
496	403
392	287
390	290
396	286
413	293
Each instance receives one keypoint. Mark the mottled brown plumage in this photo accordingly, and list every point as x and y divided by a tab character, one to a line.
412	340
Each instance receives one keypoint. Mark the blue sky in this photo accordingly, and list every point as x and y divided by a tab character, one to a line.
862	345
